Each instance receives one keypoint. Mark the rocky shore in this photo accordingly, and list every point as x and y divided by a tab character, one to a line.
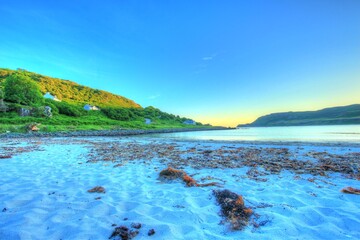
105	133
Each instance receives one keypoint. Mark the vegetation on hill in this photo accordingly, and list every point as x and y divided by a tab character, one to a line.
328	116
21	90
72	92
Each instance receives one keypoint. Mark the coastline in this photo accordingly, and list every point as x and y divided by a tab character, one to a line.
106	133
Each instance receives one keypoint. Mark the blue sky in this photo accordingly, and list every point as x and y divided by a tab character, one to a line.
218	62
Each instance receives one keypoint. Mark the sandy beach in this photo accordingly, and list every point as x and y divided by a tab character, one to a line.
292	189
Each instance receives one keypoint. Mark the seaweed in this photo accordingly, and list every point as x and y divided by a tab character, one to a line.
172	174
233	208
351	190
97	189
124	233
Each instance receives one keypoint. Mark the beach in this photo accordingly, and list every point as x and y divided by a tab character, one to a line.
292	189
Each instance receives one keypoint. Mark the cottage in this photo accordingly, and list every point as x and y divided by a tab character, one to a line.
49	96
88	107
189	122
147	120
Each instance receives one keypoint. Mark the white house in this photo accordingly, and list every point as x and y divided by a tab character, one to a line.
88	107
189	122
49	96
147	120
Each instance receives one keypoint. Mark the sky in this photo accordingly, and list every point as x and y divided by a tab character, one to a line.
218	62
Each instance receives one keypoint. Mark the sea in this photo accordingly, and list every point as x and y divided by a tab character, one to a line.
329	133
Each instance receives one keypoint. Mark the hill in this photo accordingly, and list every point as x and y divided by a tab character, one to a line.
327	116
72	92
21	109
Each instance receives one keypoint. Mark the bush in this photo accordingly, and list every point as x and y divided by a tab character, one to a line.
21	89
38	112
69	110
121	114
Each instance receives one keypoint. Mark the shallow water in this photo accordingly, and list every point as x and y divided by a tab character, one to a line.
334	133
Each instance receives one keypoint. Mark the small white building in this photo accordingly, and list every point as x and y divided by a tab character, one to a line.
189	122
49	96
147	120
88	107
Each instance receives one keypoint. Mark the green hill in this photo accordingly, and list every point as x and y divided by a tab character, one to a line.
72	92
116	112
328	116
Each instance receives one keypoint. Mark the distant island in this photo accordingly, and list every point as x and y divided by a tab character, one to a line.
327	116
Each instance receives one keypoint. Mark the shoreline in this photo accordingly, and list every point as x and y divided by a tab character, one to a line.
147	133
107	133
262	142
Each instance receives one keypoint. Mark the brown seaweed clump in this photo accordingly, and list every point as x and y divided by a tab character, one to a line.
351	190
97	189
172	174
124	233
233	208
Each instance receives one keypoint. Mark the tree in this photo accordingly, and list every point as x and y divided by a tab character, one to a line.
21	89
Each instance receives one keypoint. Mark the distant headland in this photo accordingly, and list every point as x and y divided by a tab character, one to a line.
328	116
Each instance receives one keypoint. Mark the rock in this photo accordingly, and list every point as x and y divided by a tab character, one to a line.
33	127
151	232
4	156
97	189
47	111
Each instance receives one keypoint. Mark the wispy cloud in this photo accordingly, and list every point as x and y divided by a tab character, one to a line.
152	97
209	58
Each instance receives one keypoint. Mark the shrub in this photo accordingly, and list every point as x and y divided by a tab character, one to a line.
38	112
121	114
21	89
69	109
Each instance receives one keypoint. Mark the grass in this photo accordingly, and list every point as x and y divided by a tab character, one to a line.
11	122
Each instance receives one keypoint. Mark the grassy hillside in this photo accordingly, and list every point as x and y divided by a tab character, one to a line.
72	92
328	116
116	112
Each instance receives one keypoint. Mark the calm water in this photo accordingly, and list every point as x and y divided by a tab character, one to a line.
338	133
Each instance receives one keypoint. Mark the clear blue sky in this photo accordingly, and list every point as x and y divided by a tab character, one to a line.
219	62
